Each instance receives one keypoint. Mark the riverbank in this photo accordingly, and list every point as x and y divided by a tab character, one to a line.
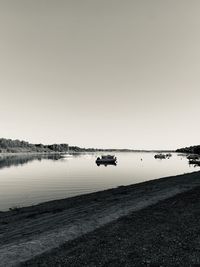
30	231
165	234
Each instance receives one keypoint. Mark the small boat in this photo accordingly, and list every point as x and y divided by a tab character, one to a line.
106	159
160	156
194	162
193	156
168	155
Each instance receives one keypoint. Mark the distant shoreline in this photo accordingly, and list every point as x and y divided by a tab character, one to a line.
17	146
89	151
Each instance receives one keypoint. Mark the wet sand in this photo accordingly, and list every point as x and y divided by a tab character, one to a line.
28	232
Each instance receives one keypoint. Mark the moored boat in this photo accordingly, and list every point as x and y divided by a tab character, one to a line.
193	156
160	156
194	162
106	159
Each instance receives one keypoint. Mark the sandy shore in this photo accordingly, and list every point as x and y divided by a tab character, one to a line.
166	234
30	231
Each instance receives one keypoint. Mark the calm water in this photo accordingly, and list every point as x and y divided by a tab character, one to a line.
27	180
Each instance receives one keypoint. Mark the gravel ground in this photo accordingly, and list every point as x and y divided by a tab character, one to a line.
164	234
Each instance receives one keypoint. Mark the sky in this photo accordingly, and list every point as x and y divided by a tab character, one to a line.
101	73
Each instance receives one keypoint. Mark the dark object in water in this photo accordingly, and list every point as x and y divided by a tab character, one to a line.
106	164
195	162
106	160
160	156
193	157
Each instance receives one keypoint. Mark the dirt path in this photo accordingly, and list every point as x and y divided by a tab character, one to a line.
30	231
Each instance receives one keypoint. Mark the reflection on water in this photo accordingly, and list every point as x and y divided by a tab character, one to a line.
15	160
106	164
31	179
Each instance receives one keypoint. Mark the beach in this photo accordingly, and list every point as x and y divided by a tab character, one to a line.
165	234
61	225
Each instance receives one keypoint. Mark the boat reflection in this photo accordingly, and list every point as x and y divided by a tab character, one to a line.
106	164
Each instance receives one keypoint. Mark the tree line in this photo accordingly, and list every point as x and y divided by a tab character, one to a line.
13	146
190	149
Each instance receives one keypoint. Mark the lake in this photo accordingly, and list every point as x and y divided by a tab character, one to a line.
30	179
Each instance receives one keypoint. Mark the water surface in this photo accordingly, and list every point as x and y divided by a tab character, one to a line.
31	179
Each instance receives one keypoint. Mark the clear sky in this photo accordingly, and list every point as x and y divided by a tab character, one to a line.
101	73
